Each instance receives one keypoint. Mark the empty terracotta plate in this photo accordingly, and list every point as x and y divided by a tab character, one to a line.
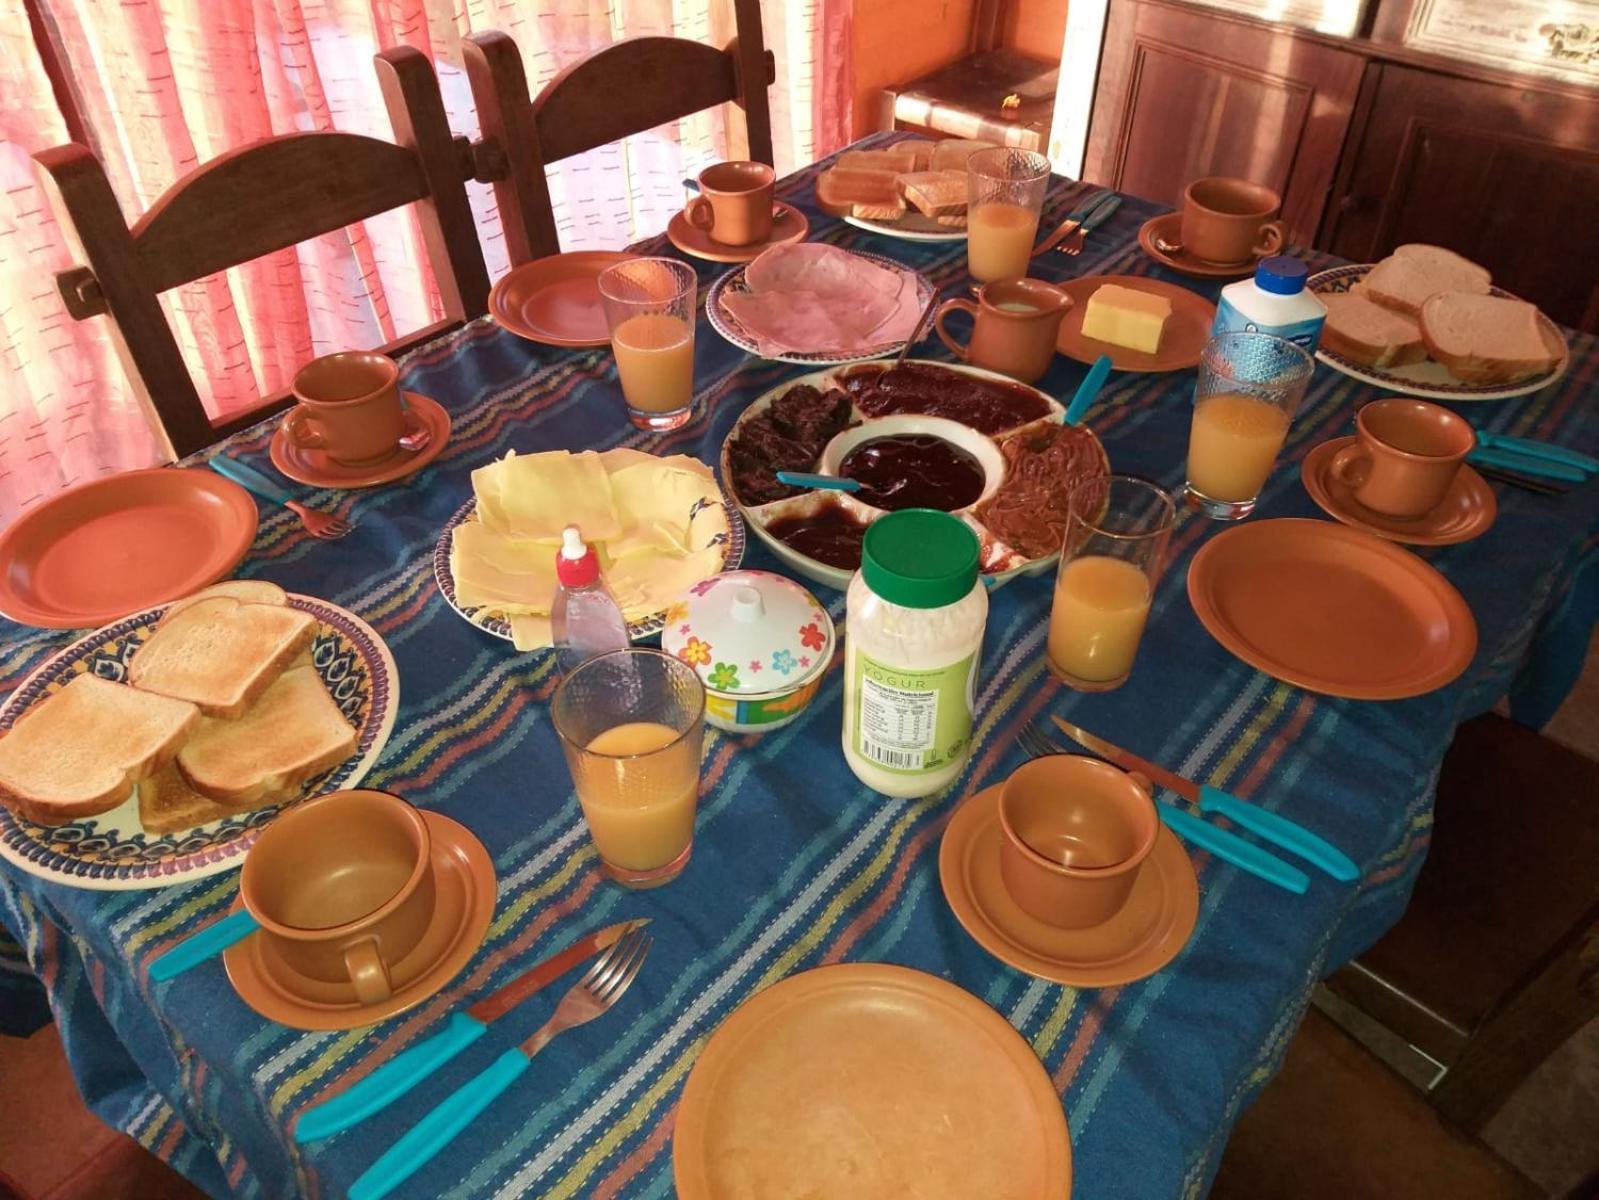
1332	610
317	469
866	1079
1467	510
99	551
788	225
556	300
1187	329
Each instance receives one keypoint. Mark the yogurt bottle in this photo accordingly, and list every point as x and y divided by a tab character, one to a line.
1274	301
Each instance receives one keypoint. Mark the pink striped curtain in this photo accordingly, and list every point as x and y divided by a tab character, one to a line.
168	84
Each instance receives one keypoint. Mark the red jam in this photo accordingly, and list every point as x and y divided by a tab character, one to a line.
914	471
986	405
829	535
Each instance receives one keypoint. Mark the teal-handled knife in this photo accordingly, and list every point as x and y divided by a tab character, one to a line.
1085	218
1533	448
250	479
1515	460
1246	856
1274	828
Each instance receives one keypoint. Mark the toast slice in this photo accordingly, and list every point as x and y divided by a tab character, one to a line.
1486	339
951	153
894	160
250	591
220	653
920	149
838	191
935	193
879	210
167	804
80	752
1405	279
292	734
1368	333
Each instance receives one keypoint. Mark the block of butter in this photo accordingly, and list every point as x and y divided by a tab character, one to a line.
1126	317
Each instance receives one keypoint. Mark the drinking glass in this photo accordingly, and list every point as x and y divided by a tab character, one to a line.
649	308
1117	528
1249	386
1004	195
632	723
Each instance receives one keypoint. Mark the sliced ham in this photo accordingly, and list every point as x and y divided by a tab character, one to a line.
809	298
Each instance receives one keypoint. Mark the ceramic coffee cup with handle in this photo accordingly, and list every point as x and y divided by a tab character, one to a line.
1016	322
350	408
1228	221
735	203
1405	456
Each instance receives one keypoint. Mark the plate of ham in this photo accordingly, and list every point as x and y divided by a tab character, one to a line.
818	305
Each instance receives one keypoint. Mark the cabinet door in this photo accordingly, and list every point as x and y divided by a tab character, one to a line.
1187	92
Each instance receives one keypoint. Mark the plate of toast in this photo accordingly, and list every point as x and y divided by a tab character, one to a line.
1427	322
915	189
154	750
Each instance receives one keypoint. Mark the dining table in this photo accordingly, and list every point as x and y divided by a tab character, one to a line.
795	862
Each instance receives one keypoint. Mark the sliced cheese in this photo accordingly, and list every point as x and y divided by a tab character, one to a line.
1125	316
494	571
644	584
538	495
530	631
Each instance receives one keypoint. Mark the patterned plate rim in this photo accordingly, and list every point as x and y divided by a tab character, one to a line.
729	329
951	233
19	847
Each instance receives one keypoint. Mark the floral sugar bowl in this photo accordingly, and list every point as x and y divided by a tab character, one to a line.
759	642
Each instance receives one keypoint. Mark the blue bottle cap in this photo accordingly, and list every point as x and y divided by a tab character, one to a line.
1281	274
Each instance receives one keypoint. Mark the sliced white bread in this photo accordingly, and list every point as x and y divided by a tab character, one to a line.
1414	271
920	149
894	159
951	153
1368	333
220	653
1485	339
251	591
935	193
838	191
167	804
79	752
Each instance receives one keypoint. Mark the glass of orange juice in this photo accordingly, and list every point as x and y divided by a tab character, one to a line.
632	723
1004	194
1117	528
649	307
1249	386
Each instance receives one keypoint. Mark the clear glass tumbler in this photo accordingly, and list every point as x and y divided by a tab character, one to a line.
1004	194
1249	386
1117	529
649	308
632	723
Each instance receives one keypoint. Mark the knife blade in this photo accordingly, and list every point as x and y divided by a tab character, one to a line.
410	1067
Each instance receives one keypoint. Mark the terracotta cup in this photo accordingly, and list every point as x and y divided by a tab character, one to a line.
735	203
1230	220
1015	323
1075	831
350	408
1405	456
343	886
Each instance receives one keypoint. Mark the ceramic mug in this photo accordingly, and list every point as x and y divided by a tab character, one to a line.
1015	324
1074	833
735	203
343	887
1229	221
1405	456
350	408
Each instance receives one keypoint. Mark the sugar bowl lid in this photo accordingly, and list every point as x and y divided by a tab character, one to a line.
747	633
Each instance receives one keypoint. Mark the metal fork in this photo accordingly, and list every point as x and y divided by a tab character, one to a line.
1102	209
596	993
318	524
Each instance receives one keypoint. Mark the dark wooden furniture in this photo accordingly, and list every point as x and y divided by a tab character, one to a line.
624	88
252	201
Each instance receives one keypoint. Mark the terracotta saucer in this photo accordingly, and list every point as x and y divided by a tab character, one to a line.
1184	337
556	300
1140	940
1467	511
865	1079
788	225
1331	610
96	552
315	468
464	878
1169	228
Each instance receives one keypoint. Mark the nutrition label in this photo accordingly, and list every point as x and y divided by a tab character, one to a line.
912	720
897	724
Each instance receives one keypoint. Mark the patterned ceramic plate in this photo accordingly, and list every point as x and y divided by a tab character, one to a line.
730	329
912	227
640	630
111	851
1431	380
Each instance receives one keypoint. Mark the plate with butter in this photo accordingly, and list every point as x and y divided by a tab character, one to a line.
1143	324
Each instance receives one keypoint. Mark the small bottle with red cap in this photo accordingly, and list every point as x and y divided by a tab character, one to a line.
584	619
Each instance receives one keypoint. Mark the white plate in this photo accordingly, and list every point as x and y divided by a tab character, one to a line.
912	227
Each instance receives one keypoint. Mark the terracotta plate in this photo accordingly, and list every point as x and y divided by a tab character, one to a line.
315	468
1169	228
866	1079
555	300
1140	940
1466	512
464	876
1184	337
788	225
1331	609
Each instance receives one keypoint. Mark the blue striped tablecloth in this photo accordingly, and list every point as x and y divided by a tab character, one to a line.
795	863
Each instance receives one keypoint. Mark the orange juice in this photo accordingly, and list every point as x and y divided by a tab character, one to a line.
999	239
640	810
655	358
1232	445
1101	604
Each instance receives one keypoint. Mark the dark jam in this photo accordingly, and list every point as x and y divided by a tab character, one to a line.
914	470
828	535
987	405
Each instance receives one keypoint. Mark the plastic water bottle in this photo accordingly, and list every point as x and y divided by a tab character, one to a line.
584	619
1274	301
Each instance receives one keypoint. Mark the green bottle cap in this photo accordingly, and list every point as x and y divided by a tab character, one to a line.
920	558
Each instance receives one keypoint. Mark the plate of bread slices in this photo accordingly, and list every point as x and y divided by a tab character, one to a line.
915	189
154	750
1426	322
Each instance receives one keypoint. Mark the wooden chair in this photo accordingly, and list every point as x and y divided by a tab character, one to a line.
625	88
253	201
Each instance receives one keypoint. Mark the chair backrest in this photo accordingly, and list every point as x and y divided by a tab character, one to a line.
627	87
253	201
